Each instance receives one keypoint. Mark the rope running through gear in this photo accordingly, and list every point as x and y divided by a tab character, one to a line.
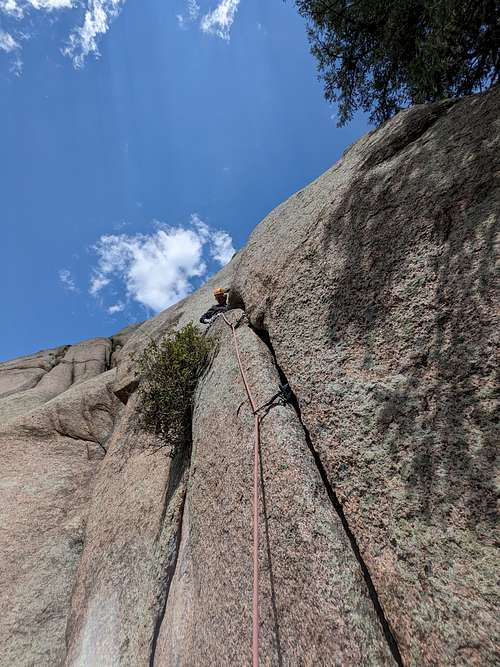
255	624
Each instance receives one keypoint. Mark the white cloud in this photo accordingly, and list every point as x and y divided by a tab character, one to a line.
158	269
17	66
83	41
219	21
116	308
11	8
67	280
192	10
222	248
220	243
7	42
202	229
97	282
19	8
50	5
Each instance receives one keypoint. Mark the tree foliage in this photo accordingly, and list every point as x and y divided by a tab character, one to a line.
381	55
169	372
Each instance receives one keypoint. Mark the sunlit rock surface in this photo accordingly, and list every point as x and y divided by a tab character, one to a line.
371	292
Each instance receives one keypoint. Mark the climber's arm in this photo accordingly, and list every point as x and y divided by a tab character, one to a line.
206	317
212	313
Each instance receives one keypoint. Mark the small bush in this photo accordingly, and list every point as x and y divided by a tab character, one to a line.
170	370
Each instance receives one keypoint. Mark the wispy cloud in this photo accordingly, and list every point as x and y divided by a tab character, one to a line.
222	248
20	8
67	280
7	42
220	20
97	282
191	14
193	9
50	5
116	308
83	41
158	269
11	8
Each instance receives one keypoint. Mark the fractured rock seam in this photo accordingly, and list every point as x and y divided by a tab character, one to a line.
388	634
169	576
64	434
176	479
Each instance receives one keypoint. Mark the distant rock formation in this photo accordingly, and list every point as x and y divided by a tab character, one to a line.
371	292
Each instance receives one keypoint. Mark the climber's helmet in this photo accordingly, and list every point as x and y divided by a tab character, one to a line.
220	296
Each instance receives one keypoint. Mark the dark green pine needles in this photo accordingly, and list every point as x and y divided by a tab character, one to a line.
382	55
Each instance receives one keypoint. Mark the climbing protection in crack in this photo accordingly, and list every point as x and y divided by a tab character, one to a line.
388	634
376	285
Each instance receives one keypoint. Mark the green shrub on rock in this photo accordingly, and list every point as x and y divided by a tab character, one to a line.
170	370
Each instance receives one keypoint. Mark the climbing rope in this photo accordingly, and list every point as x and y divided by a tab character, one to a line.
256	465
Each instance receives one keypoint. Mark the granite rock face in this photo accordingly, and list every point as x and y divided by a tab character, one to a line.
48	459
371	292
312	586
28	382
130	547
376	287
58	412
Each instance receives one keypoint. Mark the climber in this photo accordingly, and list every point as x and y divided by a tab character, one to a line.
221	306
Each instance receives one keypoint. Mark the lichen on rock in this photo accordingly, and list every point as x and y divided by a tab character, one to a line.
371	291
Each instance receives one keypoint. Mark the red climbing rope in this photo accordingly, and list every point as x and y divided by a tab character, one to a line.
255	633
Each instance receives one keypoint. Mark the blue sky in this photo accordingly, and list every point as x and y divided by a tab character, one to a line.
143	140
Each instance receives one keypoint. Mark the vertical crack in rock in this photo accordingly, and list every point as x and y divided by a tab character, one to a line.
388	634
109	354
166	581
